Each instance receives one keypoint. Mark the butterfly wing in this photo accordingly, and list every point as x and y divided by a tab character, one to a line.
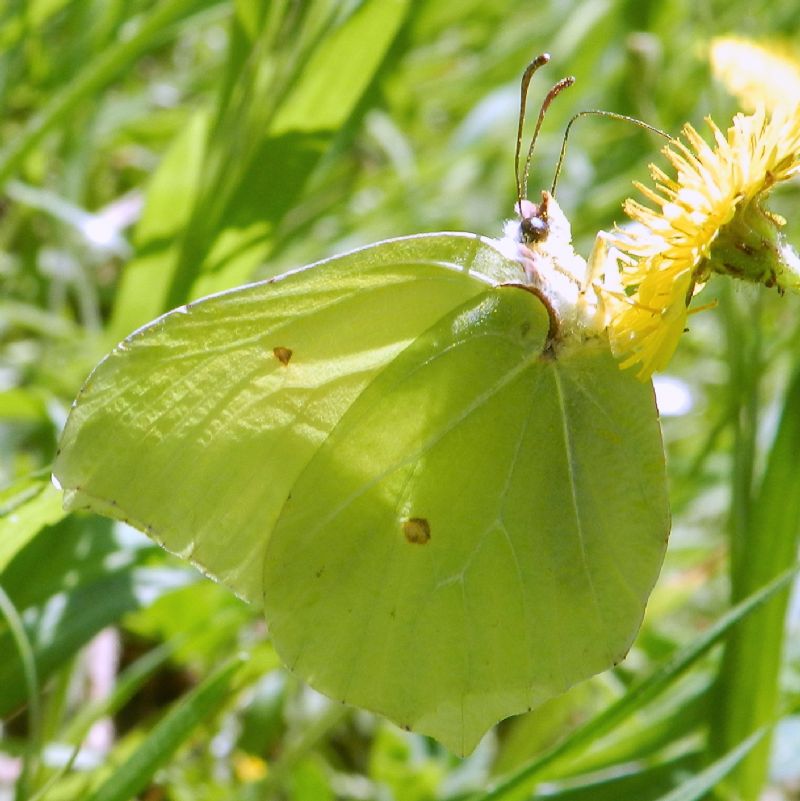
445	523
195	427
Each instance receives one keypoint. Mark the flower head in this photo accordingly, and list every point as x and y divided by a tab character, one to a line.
708	218
765	74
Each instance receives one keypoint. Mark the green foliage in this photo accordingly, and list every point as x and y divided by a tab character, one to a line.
155	150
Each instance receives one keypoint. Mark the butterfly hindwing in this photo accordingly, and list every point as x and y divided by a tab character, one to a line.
480	531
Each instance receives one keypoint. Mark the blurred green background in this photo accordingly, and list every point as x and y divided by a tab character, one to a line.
153	152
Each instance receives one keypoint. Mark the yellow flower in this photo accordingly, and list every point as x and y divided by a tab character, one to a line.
249	768
757	75
708	218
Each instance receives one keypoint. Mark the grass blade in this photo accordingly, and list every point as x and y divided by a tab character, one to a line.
101	71
168	735
25	509
698	786
748	690
25	650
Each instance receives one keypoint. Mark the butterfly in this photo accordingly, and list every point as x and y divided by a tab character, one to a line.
419	458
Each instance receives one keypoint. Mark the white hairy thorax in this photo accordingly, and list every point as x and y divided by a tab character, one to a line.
581	294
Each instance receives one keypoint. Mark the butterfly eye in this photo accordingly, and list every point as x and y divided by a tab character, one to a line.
534	229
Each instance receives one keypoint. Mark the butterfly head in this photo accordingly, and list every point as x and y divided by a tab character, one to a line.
533	224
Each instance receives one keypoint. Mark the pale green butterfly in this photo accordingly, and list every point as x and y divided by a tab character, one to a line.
420	457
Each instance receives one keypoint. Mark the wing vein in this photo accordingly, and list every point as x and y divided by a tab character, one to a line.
504	528
569	448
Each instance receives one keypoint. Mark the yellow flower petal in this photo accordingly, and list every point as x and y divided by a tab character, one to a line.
715	197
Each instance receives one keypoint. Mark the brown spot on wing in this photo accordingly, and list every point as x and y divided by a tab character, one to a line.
282	354
417	530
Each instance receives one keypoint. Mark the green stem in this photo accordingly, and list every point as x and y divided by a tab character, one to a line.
23	643
744	347
766	535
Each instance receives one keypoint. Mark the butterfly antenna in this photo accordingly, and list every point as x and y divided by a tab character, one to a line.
599	113
539	61
564	83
